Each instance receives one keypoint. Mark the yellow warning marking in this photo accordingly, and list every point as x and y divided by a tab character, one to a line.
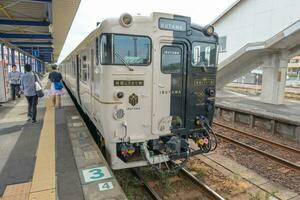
17	192
43	182
17	189
16	197
43	195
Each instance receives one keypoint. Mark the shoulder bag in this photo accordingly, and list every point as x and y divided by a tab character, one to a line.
38	87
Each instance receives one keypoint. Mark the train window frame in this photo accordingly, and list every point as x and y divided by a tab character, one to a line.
112	49
161	60
194	44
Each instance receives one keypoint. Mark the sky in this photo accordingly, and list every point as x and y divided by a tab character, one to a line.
92	11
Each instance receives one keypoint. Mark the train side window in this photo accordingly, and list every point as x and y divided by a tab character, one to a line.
204	54
106	49
73	70
97	51
84	69
171	59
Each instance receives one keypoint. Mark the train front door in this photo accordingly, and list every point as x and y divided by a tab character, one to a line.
170	101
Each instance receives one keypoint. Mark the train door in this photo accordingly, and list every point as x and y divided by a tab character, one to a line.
78	78
171	95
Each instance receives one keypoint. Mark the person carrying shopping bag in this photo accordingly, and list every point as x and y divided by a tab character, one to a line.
31	87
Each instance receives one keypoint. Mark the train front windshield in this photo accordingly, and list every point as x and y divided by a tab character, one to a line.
204	54
116	49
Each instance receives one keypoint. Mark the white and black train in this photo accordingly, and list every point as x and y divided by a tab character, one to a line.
148	85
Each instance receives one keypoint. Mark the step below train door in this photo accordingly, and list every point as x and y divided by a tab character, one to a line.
170	90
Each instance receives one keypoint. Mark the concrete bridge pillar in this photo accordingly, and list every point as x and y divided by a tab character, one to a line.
273	79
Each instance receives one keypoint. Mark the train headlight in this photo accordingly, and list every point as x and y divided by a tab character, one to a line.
126	20
120	95
119	114
210	30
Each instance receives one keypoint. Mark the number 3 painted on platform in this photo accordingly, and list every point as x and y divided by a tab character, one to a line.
97	173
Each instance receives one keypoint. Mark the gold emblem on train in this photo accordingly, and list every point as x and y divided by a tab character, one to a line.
133	99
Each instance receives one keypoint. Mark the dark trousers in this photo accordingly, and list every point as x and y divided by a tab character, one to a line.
15	89
32	104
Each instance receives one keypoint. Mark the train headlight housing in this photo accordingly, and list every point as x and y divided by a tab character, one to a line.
119	114
126	20
119	95
209	30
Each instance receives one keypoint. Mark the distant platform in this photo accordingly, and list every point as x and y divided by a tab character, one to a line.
283	118
55	158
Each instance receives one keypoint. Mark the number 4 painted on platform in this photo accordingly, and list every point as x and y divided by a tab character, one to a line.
105	186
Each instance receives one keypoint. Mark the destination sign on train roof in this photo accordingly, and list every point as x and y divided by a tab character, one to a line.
171	24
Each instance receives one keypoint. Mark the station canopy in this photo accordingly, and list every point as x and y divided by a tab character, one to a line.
39	27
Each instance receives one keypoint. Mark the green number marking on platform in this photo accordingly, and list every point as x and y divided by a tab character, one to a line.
105	186
95	174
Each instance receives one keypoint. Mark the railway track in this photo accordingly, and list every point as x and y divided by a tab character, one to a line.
257	150
203	189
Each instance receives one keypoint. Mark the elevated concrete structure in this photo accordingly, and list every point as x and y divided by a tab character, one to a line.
273	54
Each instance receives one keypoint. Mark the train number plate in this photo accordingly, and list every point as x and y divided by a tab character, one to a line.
128	82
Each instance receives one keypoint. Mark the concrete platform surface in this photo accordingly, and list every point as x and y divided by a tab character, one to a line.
55	158
287	112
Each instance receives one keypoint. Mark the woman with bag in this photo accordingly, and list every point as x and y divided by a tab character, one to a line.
29	83
56	86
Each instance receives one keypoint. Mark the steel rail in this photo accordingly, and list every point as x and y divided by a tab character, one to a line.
202	185
259	138
276	158
153	194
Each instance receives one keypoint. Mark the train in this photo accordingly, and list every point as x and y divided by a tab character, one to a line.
147	83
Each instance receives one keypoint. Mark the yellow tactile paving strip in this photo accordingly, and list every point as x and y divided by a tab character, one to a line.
43	182
17	192
42	186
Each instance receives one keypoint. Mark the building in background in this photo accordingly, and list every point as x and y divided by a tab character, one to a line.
247	21
294	67
258	33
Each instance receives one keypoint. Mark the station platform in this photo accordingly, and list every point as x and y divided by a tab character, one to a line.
55	158
283	118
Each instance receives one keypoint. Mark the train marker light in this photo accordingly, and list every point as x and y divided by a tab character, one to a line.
119	114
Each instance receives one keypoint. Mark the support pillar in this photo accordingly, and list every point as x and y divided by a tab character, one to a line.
13	60
273	80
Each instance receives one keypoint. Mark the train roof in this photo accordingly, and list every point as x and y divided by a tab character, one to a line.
110	24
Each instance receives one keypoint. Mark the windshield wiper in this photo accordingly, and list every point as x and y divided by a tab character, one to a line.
123	61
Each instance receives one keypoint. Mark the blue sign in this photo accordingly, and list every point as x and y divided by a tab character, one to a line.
35	53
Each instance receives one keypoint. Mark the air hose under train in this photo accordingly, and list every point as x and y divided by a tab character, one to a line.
210	132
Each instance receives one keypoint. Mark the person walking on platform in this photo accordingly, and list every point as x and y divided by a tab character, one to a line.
56	86
14	78
28	87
